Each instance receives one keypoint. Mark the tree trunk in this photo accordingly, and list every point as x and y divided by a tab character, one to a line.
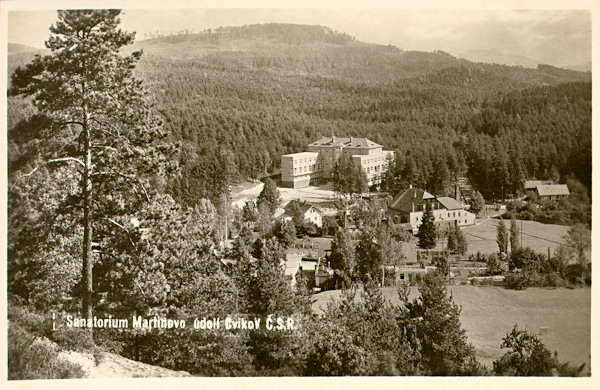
86	272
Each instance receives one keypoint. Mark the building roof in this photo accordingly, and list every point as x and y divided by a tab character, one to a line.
308	263
412	196
553	189
382	153
532	184
303	206
351	142
450	203
301	154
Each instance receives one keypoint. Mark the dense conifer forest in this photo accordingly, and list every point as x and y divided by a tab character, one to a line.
222	106
256	92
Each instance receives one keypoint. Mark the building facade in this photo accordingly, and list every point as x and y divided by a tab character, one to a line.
408	207
552	191
308	212
317	163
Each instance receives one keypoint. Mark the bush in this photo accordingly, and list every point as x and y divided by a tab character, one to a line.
202	353
33	357
494	265
515	281
528	356
390	277
74	339
330	225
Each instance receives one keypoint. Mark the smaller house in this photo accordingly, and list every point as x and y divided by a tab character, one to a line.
316	273
531	185
553	191
307	211
411	275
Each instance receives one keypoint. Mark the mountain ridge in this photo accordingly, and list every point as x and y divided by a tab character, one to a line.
494	56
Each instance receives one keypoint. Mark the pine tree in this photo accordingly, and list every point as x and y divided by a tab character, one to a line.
100	122
528	356
445	349
285	232
343	255
344	176
514	235
457	242
368	257
360	182
427	231
477	202
269	196
502	237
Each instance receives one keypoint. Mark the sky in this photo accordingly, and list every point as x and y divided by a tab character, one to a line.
554	36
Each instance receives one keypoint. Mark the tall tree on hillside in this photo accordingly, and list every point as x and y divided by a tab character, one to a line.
343	255
368	257
100	122
342	175
361	182
457	242
440	176
579	239
502	237
445	349
500	170
392	178
477	202
349	178
206	175
514	235
427	231
269	196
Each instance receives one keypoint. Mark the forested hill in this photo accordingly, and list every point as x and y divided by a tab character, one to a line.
240	97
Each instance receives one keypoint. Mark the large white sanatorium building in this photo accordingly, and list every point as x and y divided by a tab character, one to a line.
316	165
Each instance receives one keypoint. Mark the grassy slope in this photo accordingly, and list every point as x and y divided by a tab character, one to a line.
536	235
489	313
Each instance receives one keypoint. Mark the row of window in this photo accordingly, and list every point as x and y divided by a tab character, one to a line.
453	216
374	169
306	169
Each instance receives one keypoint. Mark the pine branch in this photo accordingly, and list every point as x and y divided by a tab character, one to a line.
56	160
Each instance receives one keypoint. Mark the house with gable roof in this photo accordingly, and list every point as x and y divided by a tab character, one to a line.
308	212
408	207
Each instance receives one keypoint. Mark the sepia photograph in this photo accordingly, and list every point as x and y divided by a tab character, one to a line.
305	190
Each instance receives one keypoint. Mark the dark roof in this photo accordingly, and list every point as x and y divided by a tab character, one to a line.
346	142
532	184
304	207
450	203
553	189
405	200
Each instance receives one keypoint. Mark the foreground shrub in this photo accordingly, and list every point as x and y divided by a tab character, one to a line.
528	356
32	357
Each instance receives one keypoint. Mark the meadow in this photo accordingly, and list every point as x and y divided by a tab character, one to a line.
560	317
538	236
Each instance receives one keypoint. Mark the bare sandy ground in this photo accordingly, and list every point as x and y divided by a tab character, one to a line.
115	366
309	194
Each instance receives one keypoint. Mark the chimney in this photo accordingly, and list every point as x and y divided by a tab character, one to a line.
456	192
